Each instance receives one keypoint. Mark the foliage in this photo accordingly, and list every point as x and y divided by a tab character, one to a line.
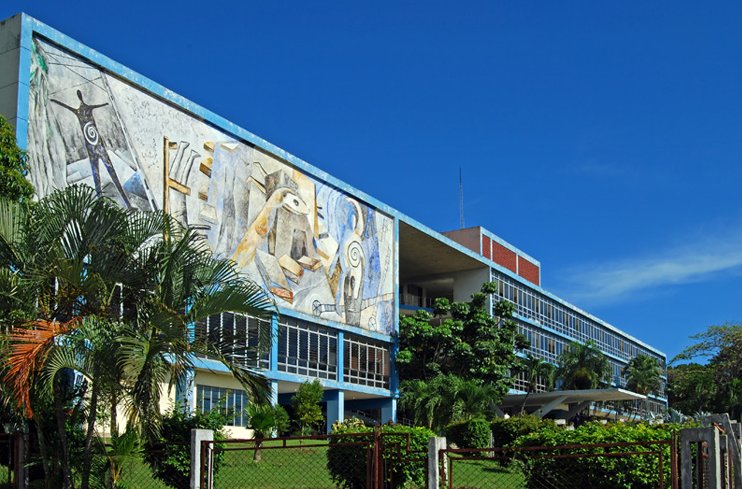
347	460
109	294
445	399
632	472
170	456
643	374
462	339
457	362
13	183
109	467
582	366
264	420
473	433
506	430
282	420
715	386
306	403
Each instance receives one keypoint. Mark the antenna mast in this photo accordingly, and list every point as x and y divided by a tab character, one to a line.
461	200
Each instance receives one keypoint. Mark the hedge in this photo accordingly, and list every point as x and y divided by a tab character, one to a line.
627	472
506	430
348	464
473	433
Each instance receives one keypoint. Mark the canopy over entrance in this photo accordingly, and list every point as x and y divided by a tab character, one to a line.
572	401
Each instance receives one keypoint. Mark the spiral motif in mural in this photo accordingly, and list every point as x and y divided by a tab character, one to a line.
354	254
91	133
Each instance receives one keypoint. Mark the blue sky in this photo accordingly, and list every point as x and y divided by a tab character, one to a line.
602	138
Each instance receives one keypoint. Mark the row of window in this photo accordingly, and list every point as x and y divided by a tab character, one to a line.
543	310
548	346
304	348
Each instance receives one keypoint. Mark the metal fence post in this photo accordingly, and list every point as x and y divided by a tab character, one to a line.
435	445
197	436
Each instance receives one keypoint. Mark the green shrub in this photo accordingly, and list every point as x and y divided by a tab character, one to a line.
474	433
170	456
629	472
506	430
347	459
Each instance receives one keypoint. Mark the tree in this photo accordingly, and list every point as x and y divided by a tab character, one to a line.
457	362
643	374
115	296
13	183
306	404
462	339
536	369
582	366
263	419
715	386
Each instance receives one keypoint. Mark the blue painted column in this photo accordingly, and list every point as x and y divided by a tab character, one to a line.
274	343
335	400
340	356
274	393
389	410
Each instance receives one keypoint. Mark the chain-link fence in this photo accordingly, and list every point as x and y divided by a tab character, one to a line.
637	465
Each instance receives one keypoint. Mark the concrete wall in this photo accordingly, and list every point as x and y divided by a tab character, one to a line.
10	42
469	282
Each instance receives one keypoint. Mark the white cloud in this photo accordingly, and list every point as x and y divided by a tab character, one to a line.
622	279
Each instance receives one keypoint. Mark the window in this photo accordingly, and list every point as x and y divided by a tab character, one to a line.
239	337
230	402
366	362
307	349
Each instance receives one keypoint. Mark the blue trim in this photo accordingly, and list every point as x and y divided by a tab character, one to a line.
334	324
414	308
24	81
397	299
517	251
329	384
341	357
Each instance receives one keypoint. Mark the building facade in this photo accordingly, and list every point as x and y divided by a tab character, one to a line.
340	265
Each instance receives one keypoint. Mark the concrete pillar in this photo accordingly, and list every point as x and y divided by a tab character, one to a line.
700	436
389	410
435	445
185	392
340	356
197	436
274	392
335	400
273	361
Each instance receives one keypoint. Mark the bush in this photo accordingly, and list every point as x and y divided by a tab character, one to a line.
506	430
474	433
630	472
170	456
348	463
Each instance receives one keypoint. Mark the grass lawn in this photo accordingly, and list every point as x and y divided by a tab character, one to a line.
485	474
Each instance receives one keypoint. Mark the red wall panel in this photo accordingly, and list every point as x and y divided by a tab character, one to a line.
486	247
529	271
503	256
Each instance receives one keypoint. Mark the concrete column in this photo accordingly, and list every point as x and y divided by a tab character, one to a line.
340	356
389	410
335	400
274	392
435	445
197	436
274	343
185	396
700	436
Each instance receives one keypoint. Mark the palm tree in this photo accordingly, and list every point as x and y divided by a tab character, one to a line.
262	420
536	369
582	366
642	374
74	254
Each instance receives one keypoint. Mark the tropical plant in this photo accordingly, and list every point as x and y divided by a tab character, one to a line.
306	404
115	295
642	374
536	370
262	419
13	184
582	366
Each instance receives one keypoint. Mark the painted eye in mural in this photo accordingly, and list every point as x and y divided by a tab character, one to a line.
293	203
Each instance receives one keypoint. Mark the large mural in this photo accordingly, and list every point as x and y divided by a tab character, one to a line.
315	248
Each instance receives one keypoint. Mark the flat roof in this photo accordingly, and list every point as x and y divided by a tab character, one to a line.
571	397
